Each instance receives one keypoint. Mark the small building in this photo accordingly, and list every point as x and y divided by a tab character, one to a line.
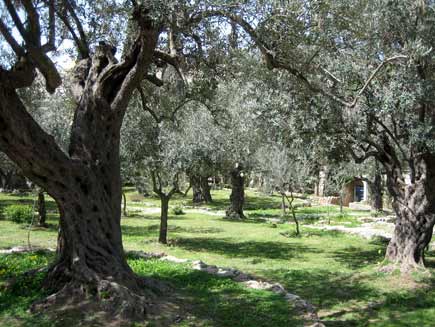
355	191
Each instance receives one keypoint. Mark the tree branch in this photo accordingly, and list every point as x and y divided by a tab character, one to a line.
17	21
51	40
19	50
273	62
157	119
22	139
171	60
156	189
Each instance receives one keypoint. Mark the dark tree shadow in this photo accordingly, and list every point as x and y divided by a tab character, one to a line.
253	249
355	257
153	230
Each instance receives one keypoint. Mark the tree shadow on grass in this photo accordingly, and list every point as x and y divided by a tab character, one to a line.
249	249
152	230
325	289
356	258
247	220
262	202
251	203
147	216
399	309
216	204
335	294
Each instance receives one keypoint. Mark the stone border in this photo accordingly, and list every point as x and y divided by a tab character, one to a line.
307	310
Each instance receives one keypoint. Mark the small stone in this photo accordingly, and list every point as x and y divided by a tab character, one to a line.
253	284
199	265
174	259
241	277
292	297
277	288
211	269
224	273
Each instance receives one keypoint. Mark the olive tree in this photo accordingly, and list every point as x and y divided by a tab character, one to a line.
85	181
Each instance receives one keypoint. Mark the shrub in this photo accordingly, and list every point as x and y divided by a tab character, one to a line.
19	213
178	210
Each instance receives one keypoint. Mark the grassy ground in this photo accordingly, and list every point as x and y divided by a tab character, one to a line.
336	272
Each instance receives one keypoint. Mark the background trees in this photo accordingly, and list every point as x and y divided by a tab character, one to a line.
369	80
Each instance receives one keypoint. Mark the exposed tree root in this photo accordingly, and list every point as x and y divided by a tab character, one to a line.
111	297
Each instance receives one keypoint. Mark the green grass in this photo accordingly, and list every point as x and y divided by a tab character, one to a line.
210	301
334	271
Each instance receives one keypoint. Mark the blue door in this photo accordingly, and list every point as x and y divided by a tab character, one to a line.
359	193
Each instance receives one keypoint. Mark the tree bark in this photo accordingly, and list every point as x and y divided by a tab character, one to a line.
205	190
197	196
237	197
163	235
376	192
414	205
42	212
200	189
86	184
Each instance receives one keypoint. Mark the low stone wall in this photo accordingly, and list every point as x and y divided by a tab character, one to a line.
327	200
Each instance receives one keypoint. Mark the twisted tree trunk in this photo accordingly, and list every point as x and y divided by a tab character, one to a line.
237	197
414	205
205	190
86	184
200	189
195	182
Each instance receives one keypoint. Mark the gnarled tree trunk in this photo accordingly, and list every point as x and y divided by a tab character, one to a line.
195	182
86	184
237	197
200	189
414	205
205	190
